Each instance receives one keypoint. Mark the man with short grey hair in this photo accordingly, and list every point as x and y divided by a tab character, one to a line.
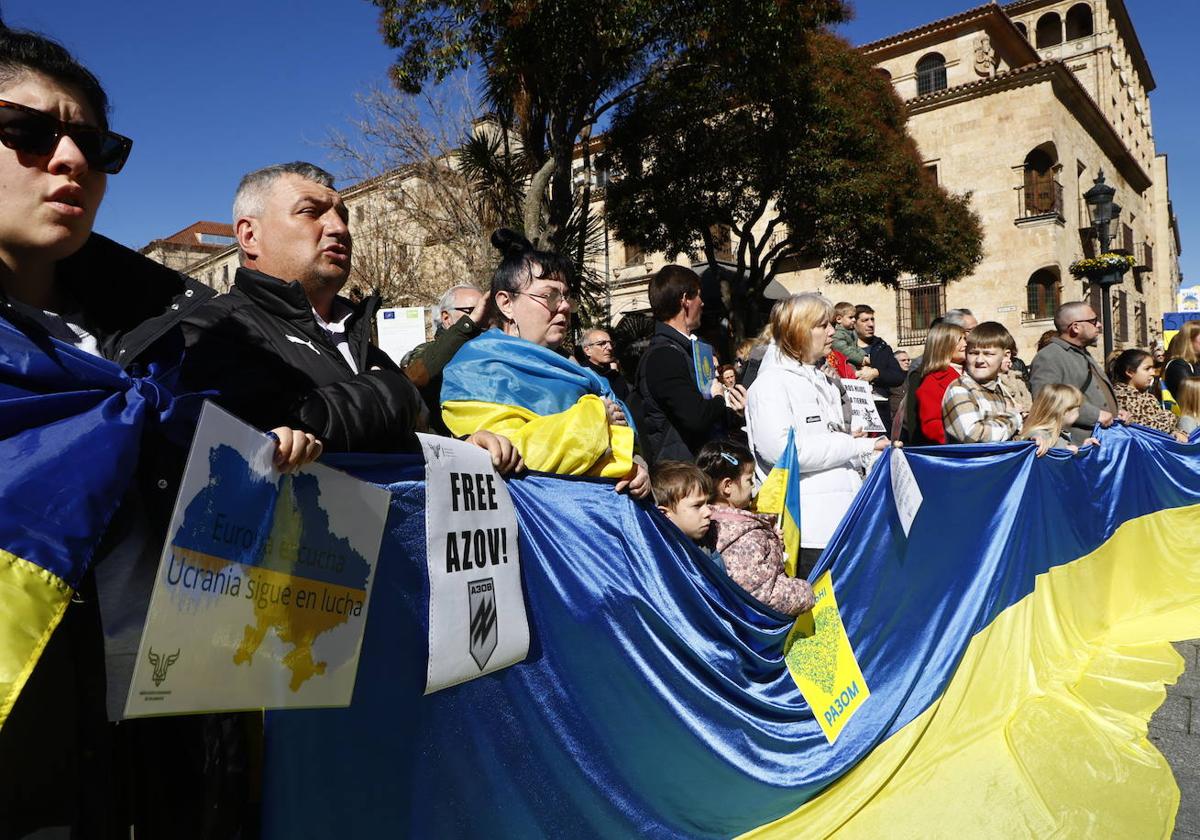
455	303
1065	360
282	347
598	356
458	318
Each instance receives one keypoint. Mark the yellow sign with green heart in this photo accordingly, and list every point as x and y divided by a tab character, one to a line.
821	661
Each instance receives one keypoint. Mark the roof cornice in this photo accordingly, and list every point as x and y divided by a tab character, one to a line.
1120	13
1068	86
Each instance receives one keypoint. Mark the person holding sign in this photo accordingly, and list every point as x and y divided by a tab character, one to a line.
90	344
679	416
561	417
795	391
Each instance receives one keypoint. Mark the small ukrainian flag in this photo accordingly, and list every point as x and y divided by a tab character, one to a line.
780	494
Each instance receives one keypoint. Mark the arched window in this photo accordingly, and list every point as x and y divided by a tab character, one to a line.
1042	192
1079	22
1049	30
1043	294
885	74
931	74
1023	30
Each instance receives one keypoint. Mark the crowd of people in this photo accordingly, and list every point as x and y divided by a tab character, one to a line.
287	353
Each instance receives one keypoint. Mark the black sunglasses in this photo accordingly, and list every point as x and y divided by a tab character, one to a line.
23	129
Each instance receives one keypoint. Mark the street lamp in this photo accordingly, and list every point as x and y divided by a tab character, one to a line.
1104	215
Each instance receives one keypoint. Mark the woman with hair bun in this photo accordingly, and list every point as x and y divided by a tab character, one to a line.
510	381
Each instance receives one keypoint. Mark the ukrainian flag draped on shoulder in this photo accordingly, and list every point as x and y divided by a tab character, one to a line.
1014	640
550	408
780	494
70	432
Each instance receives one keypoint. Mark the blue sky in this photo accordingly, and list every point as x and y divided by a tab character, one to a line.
210	91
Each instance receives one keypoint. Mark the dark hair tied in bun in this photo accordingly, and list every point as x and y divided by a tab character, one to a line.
510	243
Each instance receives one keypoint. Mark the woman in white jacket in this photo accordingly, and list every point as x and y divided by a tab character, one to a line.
794	391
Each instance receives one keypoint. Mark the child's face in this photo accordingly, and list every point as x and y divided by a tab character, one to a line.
737	492
1070	417
846	321
690	515
983	363
1143	377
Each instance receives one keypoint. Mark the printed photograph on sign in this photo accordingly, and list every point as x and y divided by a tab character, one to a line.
865	414
262	591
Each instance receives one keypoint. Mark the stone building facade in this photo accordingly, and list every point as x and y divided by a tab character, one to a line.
1022	106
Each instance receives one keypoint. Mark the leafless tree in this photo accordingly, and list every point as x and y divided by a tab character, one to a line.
420	224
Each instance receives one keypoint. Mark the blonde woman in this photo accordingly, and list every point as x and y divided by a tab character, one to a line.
945	351
794	391
1183	356
1055	409
1188	399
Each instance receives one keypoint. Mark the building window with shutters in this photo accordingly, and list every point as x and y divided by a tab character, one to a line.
1043	295
918	302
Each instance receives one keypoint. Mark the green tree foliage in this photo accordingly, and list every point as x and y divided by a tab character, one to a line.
802	152
554	68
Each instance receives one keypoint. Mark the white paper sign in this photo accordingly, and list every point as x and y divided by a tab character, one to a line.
905	490
865	415
400	330
262	590
477	621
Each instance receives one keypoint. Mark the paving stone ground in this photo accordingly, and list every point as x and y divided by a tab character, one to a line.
1175	730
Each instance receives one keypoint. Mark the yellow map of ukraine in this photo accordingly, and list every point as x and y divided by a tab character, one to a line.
300	579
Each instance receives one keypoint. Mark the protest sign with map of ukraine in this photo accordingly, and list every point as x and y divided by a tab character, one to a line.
262	591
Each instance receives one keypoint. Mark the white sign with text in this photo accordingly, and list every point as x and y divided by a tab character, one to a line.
905	490
865	415
262	590
477	621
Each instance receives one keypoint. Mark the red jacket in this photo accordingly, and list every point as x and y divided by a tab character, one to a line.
929	404
841	364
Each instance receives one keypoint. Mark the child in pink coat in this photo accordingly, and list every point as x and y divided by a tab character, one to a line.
747	541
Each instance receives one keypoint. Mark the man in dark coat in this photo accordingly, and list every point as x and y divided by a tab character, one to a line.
598	356
676	419
283	347
881	357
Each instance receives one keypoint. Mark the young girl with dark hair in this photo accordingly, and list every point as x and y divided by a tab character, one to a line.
1132	376
748	543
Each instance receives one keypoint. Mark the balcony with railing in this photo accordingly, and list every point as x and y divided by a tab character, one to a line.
1039	198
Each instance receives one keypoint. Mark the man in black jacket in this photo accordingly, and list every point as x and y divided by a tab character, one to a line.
676	418
596	347
283	347
880	357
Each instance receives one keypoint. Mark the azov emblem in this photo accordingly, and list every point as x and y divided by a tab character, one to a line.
483	620
161	664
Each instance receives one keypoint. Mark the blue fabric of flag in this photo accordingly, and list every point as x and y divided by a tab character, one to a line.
655	700
506	370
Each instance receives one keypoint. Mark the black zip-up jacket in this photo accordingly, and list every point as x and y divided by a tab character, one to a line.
675	419
61	762
261	347
883	359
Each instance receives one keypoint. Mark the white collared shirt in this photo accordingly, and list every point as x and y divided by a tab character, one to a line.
336	330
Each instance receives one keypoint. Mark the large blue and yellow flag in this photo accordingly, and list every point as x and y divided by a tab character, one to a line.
71	426
549	407
780	494
1015	643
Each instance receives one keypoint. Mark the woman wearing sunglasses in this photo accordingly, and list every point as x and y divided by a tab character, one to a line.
561	417
68	296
